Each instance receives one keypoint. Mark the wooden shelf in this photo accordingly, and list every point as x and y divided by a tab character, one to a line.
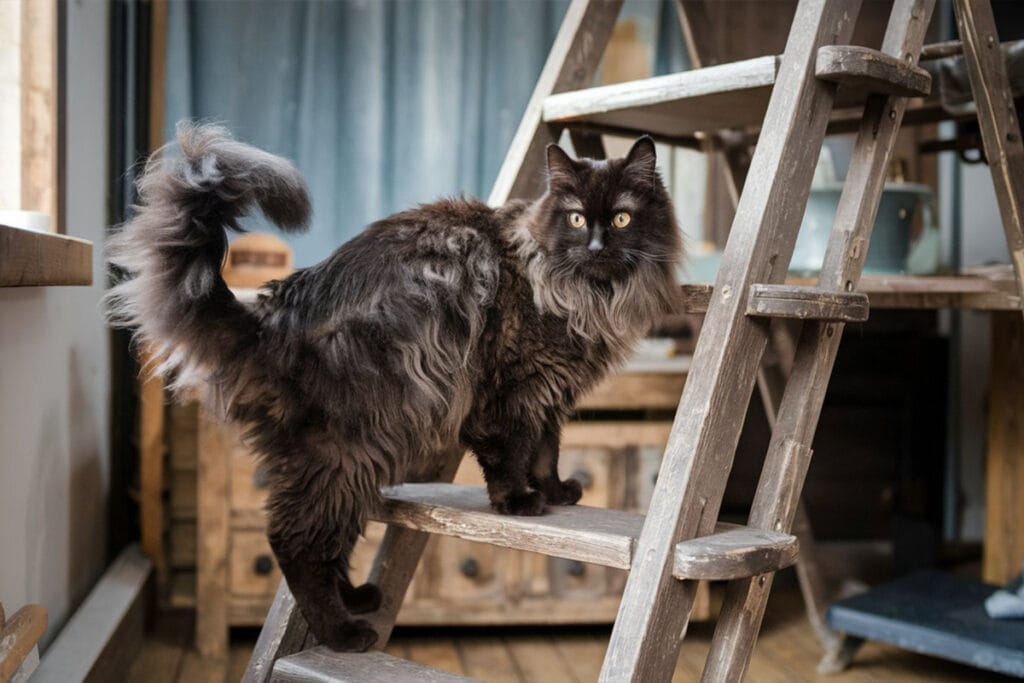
681	107
34	259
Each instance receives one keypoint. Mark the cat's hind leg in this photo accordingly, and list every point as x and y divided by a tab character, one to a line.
313	525
544	471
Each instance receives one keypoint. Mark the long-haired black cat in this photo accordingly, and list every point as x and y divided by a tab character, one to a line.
450	325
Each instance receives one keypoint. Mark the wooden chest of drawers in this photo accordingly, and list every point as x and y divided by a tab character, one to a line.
458	583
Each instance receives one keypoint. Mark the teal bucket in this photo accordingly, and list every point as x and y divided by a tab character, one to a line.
890	248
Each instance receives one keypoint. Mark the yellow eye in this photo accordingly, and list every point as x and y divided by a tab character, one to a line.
621	219
577	220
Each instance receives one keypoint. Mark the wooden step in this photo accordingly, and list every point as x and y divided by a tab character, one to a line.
579	532
574	532
322	665
806	303
735	553
872	71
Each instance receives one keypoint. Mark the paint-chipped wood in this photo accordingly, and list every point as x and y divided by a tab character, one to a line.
997	118
320	665
806	303
734	554
872	70
575	532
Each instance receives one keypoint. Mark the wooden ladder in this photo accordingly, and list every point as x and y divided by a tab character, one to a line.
680	540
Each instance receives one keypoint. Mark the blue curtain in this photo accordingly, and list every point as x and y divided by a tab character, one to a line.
381	103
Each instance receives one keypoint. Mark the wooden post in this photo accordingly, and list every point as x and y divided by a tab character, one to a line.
1004	476
215	443
778	491
655	606
997	118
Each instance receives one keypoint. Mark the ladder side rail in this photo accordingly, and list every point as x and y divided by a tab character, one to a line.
997	118
655	606
778	492
570	65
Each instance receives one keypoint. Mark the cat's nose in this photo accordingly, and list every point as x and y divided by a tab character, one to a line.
596	241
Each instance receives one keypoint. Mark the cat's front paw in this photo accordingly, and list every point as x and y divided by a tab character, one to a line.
566	492
362	599
351	636
526	504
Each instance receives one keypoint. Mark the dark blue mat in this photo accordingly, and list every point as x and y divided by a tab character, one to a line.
935	614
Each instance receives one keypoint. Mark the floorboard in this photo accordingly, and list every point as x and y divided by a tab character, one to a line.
786	652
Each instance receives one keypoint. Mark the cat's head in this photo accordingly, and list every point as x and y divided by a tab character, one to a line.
606	219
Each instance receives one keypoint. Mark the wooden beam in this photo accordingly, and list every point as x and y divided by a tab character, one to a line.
213	518
35	259
785	467
1004	462
698	458
734	554
807	303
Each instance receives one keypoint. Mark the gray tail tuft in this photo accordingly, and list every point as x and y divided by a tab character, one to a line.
172	250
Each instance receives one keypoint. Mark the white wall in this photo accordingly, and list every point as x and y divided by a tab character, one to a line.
55	374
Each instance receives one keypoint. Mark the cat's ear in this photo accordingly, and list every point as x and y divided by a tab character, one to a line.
560	167
641	160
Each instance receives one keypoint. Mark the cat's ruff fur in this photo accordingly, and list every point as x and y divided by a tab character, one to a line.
452	325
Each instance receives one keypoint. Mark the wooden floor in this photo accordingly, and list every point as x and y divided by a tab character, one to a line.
787	652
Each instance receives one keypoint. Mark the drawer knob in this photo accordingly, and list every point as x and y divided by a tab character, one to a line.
263	565
470	568
577	568
584	477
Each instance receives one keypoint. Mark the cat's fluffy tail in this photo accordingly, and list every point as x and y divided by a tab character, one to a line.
172	251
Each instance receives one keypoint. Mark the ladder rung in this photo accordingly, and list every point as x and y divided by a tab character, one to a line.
807	303
575	532
322	664
871	70
735	553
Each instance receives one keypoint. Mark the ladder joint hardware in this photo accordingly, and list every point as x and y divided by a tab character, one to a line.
807	303
871	70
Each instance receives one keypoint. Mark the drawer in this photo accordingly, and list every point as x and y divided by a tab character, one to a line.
636	391
461	572
252	568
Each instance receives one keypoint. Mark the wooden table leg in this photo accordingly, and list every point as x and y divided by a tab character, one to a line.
1004	477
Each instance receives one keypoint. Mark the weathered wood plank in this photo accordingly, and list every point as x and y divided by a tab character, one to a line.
806	303
1004	464
213	520
997	118
655	606
284	631
724	96
575	532
872	70
571	64
734	554
18	638
322	665
778	492
35	259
